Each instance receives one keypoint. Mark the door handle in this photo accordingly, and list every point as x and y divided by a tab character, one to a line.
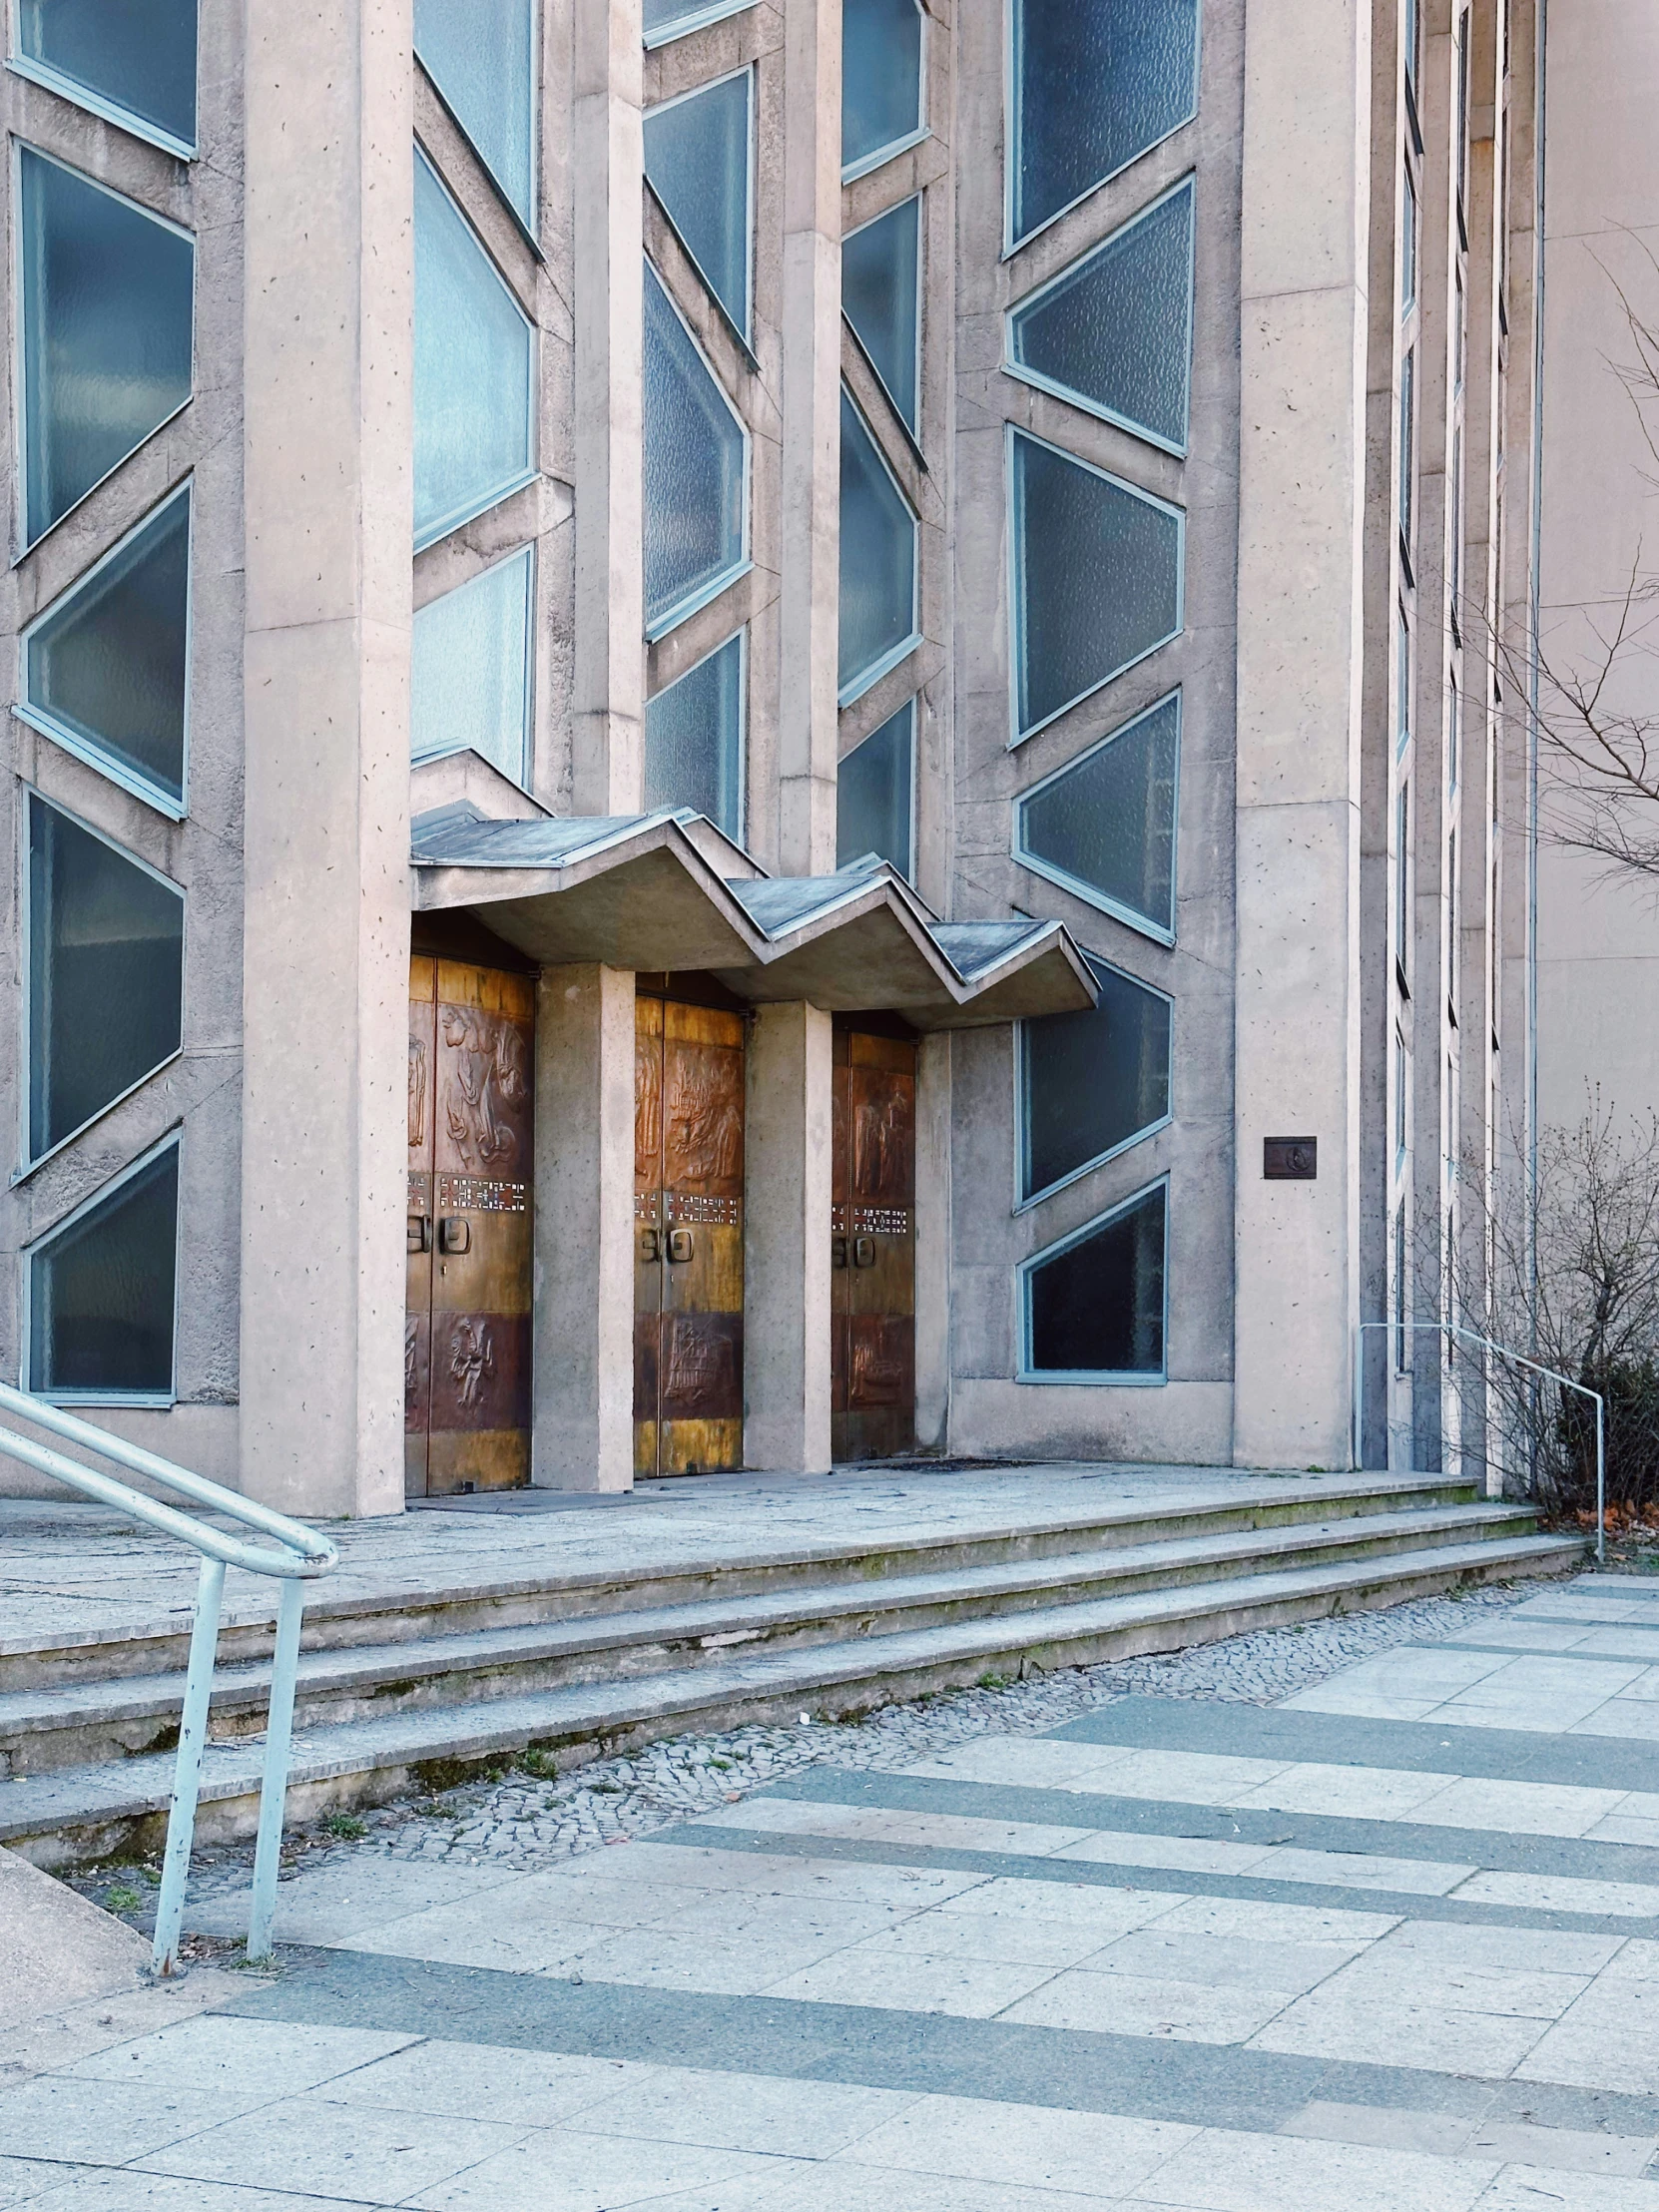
864	1252
420	1232
649	1247
837	1252
680	1245
455	1234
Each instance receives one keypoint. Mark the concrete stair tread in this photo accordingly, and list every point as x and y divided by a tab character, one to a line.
123	1790
52	1707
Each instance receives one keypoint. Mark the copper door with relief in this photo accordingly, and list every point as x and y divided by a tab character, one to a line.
688	1226
466	1345
872	1248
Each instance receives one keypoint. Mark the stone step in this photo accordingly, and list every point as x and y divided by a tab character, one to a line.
74	1724
342	1612
93	1810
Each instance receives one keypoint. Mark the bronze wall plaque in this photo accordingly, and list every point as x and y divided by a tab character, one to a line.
1291	1159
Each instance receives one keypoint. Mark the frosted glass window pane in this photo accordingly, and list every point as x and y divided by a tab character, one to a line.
877	560
107	667
695	460
873	786
1091	1083
697	159
1096	1306
879	277
1096	583
694	740
881	82
1095	83
669	19
106	974
469	682
101	1291
1114	331
137	56
107	292
474	439
1104	825
481	55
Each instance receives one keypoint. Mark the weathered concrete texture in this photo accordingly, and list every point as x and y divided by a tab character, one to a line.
788	1156
56	1947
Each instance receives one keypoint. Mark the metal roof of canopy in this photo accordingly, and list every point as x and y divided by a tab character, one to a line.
667	890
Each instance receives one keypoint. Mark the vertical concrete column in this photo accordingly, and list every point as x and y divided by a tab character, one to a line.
934	1242
787	1197
810	595
582	1419
327	475
1306	155
608	170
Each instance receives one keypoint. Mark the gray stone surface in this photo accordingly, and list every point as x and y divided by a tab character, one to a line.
56	1946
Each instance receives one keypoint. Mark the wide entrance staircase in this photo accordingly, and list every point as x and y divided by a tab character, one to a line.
414	1688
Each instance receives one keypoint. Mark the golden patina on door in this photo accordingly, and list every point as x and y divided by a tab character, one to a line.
688	1226
466	1328
872	1248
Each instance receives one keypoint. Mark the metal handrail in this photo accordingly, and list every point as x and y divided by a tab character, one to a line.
302	1556
1504	1351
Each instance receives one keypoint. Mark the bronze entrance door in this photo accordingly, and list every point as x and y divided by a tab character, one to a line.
466	1327
688	1228
872	1248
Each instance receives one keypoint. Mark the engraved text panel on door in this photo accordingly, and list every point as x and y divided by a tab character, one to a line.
872	1248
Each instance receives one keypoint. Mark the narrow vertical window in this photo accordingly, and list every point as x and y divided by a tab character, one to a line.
481	55
134	63
884	93
1455	732
697	161
1407	453
1094	1303
875	795
106	299
1402	882
1092	1084
1402	681
1451	927
882	298
696	471
877	562
1455	564
1402	1067
1463	123
694	732
1409	37
470	687
1103	827
1408	246
101	1291
1401	1308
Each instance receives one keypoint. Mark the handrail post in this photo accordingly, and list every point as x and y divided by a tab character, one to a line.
274	1784
187	1780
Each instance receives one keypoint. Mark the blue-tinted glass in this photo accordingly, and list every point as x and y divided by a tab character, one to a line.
1096	82
481	55
1093	1082
669	19
137	56
107	668
101	1291
882	299
694	470
469	675
106	974
1096	580
873	784
877	560
1114	331
107	294
697	159
881	88
474	437
1104	825
1096	1307
694	740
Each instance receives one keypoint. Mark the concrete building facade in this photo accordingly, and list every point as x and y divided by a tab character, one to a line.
829	675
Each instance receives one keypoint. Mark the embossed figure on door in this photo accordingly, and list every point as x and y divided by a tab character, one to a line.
872	1248
467	1327
688	1228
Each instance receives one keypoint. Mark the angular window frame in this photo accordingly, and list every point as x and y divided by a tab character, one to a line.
692	18
1012	433
528	553
1142	924
742	635
1012	244
1096	961
529	225
858	685
917	199
910	707
1092	1377
27	1165
39	718
175	1138
1039	383
683	609
99	103
20	383
745	335
924	130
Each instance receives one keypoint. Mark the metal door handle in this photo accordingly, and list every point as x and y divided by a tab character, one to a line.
420	1232
680	1245
837	1252
864	1252
455	1234
650	1249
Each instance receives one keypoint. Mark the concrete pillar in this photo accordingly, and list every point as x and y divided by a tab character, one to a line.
582	1418
934	1242
608	170
787	1199
810	596
1307	154
327	475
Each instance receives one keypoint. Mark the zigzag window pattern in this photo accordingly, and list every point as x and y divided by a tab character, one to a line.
1104	827
1092	1305
1092	1084
696	472
481	55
